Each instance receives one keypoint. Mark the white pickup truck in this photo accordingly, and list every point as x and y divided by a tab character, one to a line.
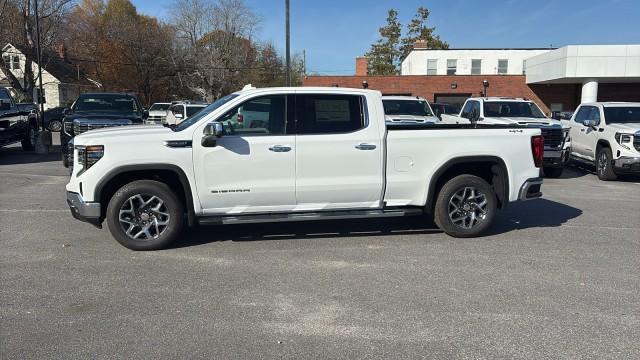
403	110
607	135
519	111
323	153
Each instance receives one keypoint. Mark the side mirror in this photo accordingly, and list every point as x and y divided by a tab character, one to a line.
66	111
145	114
590	123
475	116
5	105
212	132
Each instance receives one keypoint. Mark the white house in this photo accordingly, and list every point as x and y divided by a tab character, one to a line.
62	81
423	61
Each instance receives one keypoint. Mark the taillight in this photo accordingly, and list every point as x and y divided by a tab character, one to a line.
240	118
537	149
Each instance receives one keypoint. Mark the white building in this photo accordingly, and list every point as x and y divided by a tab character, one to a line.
588	66
62	81
423	61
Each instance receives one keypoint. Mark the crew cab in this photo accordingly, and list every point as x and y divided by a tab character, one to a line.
18	122
519	111
407	110
322	153
607	135
97	111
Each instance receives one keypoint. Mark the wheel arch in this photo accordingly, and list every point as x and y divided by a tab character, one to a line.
491	168
169	174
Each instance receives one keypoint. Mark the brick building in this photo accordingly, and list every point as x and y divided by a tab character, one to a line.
557	80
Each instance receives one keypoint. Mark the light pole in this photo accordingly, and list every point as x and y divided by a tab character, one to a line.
288	45
485	85
39	58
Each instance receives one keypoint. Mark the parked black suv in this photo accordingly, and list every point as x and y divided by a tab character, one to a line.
18	122
95	111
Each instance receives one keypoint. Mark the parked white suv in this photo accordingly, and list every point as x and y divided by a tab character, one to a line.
607	135
320	153
157	113
518	111
408	110
181	111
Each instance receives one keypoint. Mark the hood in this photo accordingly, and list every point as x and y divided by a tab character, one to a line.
121	132
410	118
101	117
525	121
157	112
626	128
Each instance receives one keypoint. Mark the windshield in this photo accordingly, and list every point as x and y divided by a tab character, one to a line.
159	107
406	107
512	109
106	102
622	114
204	112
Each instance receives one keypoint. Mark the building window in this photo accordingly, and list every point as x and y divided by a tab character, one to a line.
16	62
476	66
7	61
452	66
503	66
432	67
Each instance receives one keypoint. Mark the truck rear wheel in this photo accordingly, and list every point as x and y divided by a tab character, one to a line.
145	215
466	206
604	168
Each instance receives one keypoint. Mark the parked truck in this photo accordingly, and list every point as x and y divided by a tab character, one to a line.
321	153
18	122
523	112
607	135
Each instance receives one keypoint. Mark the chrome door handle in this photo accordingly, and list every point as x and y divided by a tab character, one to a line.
280	148
365	146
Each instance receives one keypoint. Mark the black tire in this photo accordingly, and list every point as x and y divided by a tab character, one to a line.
553	172
604	168
450	192
146	189
29	142
55	126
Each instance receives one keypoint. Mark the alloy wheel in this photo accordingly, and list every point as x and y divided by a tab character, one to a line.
144	217
602	163
467	207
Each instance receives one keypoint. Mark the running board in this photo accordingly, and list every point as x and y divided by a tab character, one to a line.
306	216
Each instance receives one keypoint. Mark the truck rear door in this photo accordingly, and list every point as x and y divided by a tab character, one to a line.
339	153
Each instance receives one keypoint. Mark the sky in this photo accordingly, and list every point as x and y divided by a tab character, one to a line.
334	32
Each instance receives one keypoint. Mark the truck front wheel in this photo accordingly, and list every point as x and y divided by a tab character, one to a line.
29	141
145	215
466	206
604	168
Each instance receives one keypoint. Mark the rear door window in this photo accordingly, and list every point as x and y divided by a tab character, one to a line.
329	114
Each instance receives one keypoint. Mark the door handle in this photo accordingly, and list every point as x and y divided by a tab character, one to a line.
365	146
280	148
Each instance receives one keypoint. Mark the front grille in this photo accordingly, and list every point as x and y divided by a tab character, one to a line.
156	118
553	138
80	128
636	141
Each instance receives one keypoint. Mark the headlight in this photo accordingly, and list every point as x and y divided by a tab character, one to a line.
88	155
624	138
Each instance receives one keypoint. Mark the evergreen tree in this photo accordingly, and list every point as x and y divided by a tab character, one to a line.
418	30
384	55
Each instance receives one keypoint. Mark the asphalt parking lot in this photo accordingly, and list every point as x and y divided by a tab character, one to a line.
557	278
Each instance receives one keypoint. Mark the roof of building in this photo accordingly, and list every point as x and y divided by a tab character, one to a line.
63	70
545	48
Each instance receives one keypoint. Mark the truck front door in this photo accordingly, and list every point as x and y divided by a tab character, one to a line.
584	138
250	170
339	153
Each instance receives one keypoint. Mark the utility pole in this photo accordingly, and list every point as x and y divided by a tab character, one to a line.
288	46
39	57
